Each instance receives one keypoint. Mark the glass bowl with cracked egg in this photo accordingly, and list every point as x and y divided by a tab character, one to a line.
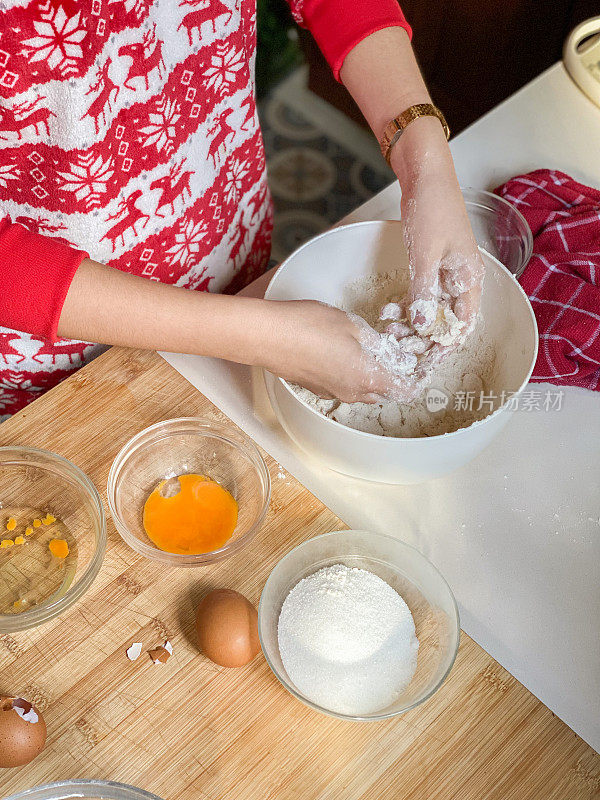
52	536
94	790
188	446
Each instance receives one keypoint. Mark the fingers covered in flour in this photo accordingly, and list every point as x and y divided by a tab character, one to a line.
467	285
391	364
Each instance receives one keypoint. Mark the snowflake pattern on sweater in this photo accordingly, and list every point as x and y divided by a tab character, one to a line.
128	130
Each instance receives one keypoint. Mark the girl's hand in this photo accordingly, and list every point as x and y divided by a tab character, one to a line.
333	354
443	255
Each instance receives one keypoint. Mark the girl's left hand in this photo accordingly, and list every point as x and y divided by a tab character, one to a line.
443	255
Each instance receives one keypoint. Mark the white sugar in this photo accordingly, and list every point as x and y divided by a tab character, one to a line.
347	640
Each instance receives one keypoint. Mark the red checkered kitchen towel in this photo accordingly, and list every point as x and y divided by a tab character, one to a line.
563	277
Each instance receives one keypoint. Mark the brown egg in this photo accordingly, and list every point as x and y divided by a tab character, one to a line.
227	626
22	732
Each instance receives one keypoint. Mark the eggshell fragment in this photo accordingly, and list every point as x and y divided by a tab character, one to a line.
160	654
22	732
134	651
227	628
25	710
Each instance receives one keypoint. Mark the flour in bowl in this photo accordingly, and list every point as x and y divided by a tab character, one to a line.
347	640
460	390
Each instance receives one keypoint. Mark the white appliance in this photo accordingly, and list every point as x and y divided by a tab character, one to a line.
581	57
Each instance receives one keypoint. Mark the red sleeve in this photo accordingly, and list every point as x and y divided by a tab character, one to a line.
339	25
35	274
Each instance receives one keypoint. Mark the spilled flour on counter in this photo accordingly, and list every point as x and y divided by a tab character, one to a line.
460	389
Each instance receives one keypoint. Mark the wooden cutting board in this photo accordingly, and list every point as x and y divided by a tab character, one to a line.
190	730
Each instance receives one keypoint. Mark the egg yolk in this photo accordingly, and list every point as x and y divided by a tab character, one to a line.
201	517
59	548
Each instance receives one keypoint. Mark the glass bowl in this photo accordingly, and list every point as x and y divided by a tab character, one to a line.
424	590
96	790
34	483
176	447
499	228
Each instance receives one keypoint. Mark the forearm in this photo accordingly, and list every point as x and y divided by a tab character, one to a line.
302	340
113	307
383	76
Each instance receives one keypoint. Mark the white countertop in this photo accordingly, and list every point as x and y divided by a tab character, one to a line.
516	532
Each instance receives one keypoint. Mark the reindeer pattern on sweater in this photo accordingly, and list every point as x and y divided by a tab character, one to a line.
128	128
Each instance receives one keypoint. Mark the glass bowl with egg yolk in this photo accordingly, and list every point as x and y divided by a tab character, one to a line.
188	491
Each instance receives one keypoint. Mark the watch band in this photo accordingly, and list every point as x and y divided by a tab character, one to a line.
397	126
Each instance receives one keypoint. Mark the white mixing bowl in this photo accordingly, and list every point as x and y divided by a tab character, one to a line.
319	270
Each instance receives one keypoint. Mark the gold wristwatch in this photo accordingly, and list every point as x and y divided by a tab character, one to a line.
397	126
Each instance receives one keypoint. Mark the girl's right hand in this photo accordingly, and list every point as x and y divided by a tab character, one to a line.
327	351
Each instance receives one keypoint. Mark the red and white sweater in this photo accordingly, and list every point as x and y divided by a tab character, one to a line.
128	132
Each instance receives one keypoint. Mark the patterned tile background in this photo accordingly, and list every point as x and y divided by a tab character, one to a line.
315	178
